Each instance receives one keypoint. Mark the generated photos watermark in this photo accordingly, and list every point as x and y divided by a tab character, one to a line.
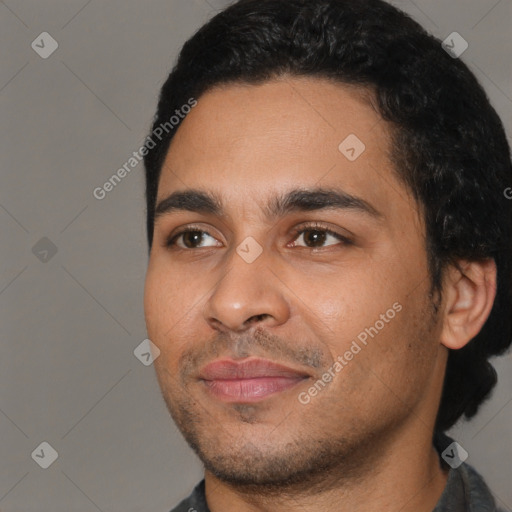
342	360
179	114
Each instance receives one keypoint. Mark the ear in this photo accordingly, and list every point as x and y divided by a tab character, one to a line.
469	292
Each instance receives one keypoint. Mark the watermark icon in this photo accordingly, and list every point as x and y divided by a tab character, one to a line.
454	455
137	156
455	45
352	147
44	249
508	193
146	352
44	45
342	360
45	455
249	250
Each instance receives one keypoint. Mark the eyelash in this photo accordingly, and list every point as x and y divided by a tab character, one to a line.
170	243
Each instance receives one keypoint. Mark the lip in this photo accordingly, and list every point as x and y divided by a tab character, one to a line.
250	380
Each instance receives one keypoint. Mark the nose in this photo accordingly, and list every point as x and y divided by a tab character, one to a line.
247	294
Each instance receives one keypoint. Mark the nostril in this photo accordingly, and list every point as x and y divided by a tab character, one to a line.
256	318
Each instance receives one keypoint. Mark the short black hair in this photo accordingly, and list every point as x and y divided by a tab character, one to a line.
449	146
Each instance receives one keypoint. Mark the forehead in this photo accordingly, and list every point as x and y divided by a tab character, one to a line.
310	132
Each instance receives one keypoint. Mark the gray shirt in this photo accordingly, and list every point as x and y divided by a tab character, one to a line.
465	490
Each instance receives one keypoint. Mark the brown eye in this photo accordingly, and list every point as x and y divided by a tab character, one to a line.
190	239
315	237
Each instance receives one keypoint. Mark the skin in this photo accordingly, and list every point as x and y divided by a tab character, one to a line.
364	442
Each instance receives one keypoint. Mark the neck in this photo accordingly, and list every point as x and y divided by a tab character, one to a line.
404	474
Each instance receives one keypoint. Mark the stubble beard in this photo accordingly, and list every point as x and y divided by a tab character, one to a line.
301	464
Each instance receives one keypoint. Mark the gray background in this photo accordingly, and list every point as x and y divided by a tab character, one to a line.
69	326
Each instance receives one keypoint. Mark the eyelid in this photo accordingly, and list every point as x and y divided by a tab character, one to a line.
321	226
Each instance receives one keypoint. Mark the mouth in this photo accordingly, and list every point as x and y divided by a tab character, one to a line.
248	381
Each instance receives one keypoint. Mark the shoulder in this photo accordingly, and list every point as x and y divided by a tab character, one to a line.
465	489
479	495
195	502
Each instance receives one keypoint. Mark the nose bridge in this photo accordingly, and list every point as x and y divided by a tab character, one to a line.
248	290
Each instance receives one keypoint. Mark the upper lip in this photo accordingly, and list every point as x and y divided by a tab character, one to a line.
228	369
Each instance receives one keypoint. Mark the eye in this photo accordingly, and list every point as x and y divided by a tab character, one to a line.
190	238
315	235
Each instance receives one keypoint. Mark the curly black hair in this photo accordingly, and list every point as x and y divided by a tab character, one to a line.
449	145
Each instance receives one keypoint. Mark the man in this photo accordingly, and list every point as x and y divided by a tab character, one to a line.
330	259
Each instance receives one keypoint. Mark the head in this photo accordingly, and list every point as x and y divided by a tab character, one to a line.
278	89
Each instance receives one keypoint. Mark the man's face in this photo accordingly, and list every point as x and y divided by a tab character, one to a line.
254	286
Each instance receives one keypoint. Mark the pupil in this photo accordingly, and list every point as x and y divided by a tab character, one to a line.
318	238
197	235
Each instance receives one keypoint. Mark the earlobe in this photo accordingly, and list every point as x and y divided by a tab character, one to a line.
469	292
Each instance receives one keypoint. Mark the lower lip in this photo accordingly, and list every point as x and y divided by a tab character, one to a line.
250	390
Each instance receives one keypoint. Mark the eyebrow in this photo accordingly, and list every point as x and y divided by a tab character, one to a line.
206	202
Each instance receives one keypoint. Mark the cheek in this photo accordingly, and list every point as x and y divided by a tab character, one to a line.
367	312
172	303
167	289
153	299
164	301
349	301
401	357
